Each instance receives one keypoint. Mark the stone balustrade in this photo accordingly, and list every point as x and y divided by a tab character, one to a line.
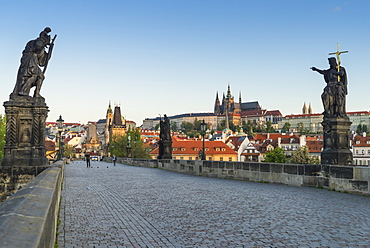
28	217
352	179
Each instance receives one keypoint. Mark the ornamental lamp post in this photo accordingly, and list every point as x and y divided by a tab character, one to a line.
60	122
203	127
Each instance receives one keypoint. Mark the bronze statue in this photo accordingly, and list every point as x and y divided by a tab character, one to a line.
165	140
334	95
33	56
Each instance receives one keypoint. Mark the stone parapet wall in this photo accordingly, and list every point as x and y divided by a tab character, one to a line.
28	218
13	178
353	179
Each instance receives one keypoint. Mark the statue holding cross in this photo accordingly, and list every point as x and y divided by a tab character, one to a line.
335	91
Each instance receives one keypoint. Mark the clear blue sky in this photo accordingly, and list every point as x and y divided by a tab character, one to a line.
157	57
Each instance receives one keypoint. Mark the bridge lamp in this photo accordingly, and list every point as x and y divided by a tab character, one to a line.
203	127
60	122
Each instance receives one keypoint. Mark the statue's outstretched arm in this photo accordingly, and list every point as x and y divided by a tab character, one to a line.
318	70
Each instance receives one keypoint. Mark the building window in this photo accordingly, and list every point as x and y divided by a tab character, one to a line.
357	142
181	158
360	162
190	158
175	149
217	149
230	159
206	149
368	162
356	151
182	149
223	149
363	152
210	158
196	149
221	159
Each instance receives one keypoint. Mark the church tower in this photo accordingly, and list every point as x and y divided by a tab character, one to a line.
310	109
217	109
304	109
108	123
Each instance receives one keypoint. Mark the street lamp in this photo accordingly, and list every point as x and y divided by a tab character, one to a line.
203	127
60	122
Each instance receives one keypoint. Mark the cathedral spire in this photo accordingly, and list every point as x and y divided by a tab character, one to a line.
310	109
217	109
240	97
228	91
109	110
304	109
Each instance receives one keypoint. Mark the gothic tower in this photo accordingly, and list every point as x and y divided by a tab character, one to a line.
217	109
108	123
304	109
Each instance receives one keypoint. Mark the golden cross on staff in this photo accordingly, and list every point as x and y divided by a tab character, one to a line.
337	53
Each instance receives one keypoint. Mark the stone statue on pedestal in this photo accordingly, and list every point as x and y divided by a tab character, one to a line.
33	56
165	142
336	123
26	115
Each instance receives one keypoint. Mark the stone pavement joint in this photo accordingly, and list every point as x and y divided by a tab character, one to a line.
126	206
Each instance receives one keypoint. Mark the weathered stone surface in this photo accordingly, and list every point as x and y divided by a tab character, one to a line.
264	167
341	172
277	168
25	131
336	141
290	169
28	218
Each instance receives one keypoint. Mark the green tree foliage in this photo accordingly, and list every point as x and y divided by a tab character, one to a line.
192	129
222	125
361	129
276	156
120	143
269	128
286	127
2	135
302	157
251	127
68	151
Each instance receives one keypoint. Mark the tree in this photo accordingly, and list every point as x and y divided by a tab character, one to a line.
269	128
286	127
192	129
2	135
302	157
222	125
120	143
276	156
361	129
68	151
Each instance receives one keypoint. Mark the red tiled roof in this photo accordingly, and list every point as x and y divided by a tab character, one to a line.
360	141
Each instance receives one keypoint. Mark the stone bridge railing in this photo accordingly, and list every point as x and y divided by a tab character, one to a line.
28	217
352	179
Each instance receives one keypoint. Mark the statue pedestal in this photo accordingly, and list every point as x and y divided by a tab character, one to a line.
25	131
336	141
165	149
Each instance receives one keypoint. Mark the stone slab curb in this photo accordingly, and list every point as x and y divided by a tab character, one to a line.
28	217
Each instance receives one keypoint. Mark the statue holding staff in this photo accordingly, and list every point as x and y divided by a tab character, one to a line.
334	95
34	56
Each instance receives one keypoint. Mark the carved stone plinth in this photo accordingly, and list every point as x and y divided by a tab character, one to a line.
336	141
25	131
165	149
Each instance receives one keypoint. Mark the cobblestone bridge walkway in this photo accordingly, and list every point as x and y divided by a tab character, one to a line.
125	206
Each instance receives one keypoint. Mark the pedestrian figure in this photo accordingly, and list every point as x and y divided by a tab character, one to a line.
114	160
87	157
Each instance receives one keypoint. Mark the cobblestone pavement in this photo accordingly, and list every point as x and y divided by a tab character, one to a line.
126	206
